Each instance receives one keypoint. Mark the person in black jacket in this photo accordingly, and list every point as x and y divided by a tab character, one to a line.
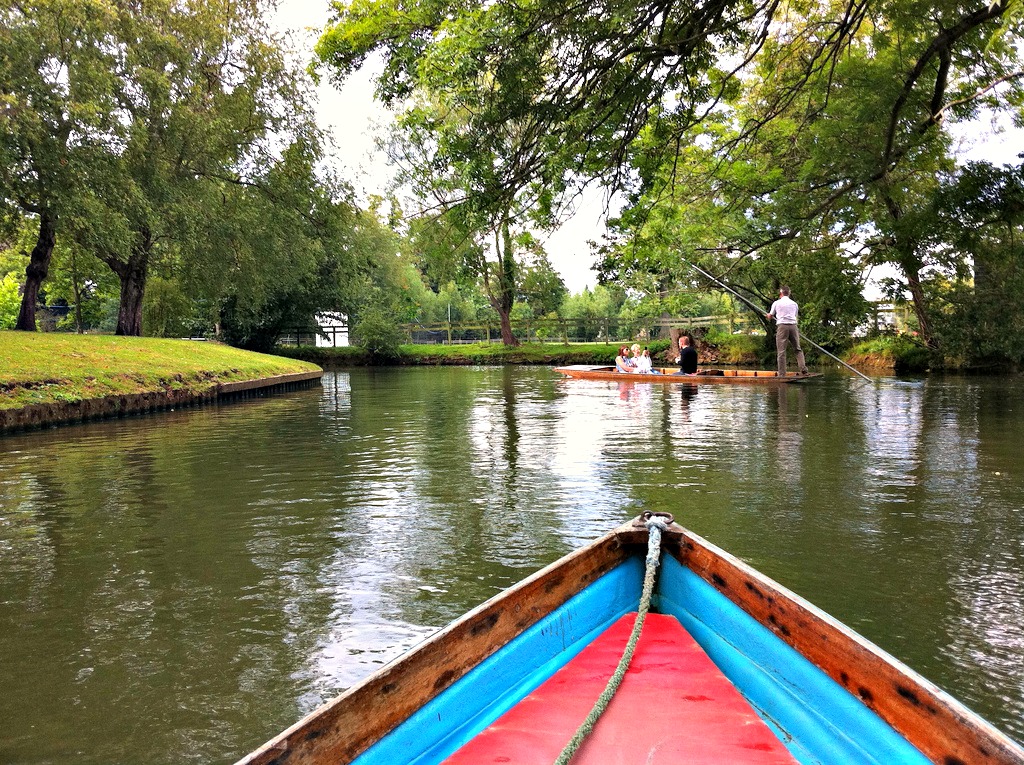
687	356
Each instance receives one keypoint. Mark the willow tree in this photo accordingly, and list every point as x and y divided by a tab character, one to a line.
207	101
58	112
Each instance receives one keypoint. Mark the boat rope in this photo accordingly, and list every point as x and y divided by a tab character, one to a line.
655	523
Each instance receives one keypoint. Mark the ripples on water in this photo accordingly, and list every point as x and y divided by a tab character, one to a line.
177	588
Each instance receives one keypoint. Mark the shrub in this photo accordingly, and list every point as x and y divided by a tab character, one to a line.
378	334
10	302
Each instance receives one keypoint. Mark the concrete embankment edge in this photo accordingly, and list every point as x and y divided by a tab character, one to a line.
60	413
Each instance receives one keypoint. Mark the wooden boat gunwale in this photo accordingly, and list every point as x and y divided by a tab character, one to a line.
937	724
410	681
667	376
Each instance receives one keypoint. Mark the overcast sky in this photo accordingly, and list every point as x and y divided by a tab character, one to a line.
353	117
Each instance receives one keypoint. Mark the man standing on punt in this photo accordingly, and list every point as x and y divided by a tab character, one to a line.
784	311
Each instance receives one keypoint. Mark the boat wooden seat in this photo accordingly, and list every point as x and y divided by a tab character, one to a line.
674	705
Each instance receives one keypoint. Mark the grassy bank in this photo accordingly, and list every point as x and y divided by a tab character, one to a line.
45	368
471	353
723	349
716	349
888	352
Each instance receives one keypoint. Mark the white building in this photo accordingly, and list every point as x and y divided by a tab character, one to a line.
333	330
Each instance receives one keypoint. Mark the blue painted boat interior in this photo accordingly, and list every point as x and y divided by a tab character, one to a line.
500	681
816	718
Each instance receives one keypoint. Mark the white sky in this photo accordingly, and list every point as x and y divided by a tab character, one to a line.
352	116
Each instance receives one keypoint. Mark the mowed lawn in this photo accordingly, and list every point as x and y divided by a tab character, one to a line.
40	368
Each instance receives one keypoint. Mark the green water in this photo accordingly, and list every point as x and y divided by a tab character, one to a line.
179	587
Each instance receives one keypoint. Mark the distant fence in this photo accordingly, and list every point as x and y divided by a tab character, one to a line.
898	317
583	330
331	337
580	330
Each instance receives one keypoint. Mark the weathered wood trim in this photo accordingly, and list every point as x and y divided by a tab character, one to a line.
229	388
942	728
346	726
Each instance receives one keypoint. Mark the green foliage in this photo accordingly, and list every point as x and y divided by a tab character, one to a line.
14	257
535	97
167	310
540	287
10	301
378	334
82	281
738	348
896	352
601	302
460	303
810	174
977	232
193	158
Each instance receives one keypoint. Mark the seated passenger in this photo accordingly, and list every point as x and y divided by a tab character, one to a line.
634	357
687	356
645	364
622	362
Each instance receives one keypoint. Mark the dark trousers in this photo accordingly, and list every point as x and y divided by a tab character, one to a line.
788	333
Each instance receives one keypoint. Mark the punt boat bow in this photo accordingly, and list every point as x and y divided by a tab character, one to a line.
730	668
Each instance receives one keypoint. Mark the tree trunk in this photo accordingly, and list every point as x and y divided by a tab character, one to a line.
507	336
906	249
133	285
38	268
664	330
129	313
501	293
920	308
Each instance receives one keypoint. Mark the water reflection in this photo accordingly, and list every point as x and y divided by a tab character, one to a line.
179	587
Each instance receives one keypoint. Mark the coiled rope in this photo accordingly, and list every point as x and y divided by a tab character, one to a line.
655	523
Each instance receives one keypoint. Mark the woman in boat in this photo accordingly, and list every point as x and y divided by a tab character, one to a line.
622	361
644	365
634	356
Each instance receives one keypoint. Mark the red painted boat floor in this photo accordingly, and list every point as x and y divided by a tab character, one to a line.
674	706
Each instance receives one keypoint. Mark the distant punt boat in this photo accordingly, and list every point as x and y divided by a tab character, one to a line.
755	376
730	668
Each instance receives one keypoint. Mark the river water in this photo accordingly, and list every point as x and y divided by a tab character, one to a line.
177	588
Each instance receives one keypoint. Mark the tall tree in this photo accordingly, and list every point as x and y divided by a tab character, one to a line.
290	246
977	234
57	111
540	286
817	161
207	100
450	246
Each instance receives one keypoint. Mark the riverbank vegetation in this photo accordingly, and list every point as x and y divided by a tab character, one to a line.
163	173
470	353
714	349
57	368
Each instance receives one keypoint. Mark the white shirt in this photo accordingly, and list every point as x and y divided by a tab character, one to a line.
784	310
